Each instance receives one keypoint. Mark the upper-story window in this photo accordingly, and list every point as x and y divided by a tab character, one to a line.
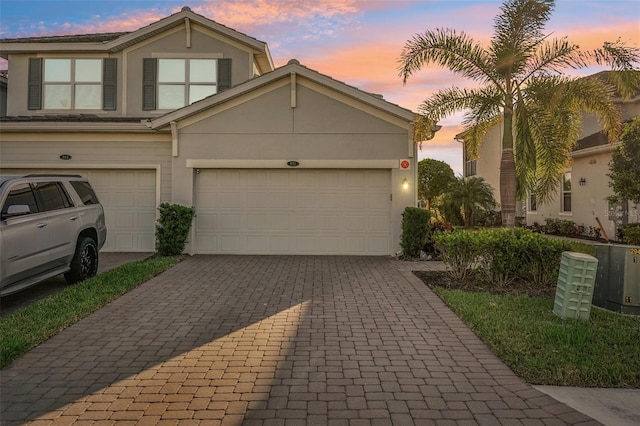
172	83
72	84
469	164
184	81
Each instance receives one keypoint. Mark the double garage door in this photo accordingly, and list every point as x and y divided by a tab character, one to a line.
129	201
262	211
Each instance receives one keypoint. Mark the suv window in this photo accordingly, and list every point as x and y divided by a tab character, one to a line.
20	194
52	196
85	192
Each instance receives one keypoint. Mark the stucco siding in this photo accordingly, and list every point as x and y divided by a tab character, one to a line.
588	201
488	162
174	43
89	151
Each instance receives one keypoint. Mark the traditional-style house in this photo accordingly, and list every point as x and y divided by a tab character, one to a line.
186	110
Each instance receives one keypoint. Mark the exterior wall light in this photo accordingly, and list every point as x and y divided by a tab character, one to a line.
405	184
582	181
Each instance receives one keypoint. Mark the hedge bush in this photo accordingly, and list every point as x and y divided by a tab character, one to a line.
460	251
631	234
500	256
172	228
415	228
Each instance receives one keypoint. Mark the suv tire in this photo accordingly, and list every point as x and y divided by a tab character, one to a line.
85	261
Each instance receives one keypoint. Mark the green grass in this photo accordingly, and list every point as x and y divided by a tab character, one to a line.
24	329
546	350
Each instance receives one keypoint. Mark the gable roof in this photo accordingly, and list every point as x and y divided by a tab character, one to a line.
114	42
293	66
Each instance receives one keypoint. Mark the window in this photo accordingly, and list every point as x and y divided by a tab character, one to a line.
185	81
85	192
566	193
68	83
470	168
533	203
20	195
175	83
469	164
51	196
72	84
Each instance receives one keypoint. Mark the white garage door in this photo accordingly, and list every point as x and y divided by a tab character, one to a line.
129	201
293	212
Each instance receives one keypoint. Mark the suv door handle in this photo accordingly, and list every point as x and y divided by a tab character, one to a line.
73	217
41	225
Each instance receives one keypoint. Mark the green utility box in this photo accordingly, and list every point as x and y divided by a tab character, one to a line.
576	280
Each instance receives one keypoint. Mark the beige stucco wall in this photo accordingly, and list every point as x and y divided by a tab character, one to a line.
323	125
90	151
588	201
488	162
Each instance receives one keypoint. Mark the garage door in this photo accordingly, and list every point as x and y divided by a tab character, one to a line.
129	200
293	212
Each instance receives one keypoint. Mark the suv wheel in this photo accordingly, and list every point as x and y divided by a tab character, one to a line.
85	261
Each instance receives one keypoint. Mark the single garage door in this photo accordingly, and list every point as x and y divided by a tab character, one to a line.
293	211
129	201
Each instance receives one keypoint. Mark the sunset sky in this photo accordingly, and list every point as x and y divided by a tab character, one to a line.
357	42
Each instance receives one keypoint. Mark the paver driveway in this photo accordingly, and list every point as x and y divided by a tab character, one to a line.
279	340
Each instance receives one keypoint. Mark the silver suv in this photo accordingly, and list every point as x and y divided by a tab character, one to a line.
49	225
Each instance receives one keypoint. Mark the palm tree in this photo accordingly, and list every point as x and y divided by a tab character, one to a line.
523	88
471	194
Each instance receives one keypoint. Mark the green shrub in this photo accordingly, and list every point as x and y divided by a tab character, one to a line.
459	251
541	258
415	228
561	226
172	228
631	234
500	256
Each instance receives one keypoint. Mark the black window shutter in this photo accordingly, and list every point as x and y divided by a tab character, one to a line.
149	77
109	71
34	100
224	74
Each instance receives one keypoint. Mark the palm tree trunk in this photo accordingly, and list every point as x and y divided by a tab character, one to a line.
508	187
508	181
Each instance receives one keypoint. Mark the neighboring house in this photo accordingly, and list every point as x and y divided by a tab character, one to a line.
188	111
582	195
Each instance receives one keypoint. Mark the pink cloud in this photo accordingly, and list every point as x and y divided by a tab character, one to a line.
251	13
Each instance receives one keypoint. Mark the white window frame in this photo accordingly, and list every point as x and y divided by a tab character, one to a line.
74	86
184	82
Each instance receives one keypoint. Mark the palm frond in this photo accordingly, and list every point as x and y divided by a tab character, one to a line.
552	56
448	48
518	30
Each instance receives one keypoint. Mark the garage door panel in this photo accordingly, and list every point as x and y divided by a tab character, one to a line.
230	222
279	200
377	201
328	201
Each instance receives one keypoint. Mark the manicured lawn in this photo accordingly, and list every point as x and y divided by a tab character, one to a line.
28	327
544	349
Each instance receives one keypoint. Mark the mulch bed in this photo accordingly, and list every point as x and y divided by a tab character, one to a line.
516	288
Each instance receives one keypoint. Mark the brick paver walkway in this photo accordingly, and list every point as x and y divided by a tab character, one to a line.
273	340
